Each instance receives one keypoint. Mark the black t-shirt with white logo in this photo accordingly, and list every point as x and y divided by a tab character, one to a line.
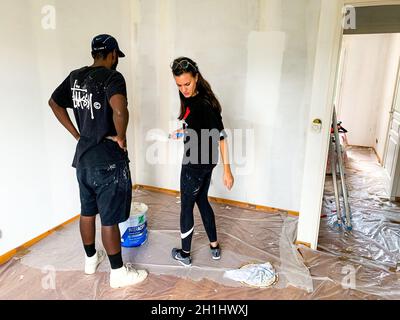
204	124
88	91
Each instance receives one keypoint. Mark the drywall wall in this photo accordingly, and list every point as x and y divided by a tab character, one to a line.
39	189
258	56
367	87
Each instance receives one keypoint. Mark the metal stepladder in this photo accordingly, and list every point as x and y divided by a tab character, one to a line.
339	187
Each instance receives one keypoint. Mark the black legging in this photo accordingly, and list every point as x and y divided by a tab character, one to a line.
195	183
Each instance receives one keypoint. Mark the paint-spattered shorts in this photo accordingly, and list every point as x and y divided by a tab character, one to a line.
106	190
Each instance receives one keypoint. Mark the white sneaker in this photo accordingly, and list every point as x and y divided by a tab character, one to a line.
126	276
91	263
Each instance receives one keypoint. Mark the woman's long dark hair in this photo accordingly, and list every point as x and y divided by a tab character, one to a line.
179	66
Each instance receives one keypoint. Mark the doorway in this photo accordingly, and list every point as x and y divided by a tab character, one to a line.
366	100
367	103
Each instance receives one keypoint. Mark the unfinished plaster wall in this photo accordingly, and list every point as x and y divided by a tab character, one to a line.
258	56
39	189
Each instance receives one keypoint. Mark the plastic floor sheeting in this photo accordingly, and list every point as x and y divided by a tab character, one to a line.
370	253
361	264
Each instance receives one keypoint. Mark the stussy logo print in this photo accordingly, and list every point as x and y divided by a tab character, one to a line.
83	100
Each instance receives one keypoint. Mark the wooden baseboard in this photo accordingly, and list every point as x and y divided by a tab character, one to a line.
239	204
156	189
303	243
358	146
8	255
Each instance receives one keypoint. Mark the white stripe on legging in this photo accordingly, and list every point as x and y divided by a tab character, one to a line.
186	234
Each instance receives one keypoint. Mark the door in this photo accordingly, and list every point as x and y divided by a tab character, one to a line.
392	159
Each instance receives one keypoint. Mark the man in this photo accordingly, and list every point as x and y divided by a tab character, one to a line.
98	97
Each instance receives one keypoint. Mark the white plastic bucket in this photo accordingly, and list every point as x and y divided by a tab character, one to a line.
134	230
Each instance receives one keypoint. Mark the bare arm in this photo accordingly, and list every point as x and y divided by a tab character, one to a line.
119	105
63	117
228	177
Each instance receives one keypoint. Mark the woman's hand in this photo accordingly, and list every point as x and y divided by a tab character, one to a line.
228	179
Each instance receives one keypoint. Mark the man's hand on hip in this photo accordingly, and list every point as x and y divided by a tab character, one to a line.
121	142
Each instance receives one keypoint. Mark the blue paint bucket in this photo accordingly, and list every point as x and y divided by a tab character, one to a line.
134	230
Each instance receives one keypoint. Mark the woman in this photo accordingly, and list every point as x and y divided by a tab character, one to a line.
203	132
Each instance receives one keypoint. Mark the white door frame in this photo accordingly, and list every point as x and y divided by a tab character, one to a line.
330	35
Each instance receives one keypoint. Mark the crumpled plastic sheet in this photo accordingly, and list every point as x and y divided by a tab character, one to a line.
348	265
246	236
374	242
257	275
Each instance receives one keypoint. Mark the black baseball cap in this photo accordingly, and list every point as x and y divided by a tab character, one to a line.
106	43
